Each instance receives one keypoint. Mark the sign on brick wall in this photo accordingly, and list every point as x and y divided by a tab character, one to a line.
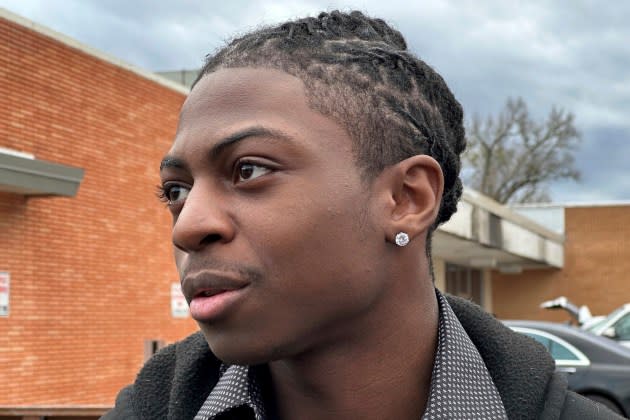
4	293
179	306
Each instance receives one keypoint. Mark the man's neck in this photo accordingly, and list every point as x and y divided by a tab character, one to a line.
382	371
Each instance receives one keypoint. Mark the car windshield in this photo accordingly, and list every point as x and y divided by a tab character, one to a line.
595	327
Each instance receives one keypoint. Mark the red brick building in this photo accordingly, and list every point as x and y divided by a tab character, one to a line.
90	274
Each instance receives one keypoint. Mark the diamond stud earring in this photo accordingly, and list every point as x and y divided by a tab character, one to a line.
402	239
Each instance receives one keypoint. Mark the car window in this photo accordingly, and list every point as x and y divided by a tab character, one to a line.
596	325
542	340
558	351
597	328
622	328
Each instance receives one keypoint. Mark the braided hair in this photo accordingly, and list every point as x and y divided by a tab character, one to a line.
357	70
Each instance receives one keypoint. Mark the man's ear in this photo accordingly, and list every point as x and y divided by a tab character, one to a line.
415	187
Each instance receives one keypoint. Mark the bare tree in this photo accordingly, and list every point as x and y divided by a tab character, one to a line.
512	158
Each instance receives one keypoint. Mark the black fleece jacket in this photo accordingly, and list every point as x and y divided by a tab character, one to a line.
177	380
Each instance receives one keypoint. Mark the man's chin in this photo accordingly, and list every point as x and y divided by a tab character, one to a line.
240	351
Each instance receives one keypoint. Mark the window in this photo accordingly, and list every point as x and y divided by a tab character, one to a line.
562	352
622	328
558	351
542	340
465	282
151	347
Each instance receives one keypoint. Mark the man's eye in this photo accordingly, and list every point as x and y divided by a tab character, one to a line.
246	171
175	193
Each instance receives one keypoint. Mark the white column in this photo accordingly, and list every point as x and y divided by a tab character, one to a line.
439	273
486	290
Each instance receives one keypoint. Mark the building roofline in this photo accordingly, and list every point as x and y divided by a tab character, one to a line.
23	174
485	233
73	43
571	204
507	213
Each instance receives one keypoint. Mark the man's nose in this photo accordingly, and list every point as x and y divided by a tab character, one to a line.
203	220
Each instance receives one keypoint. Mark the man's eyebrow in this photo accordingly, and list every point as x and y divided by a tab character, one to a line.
255	131
172	162
217	149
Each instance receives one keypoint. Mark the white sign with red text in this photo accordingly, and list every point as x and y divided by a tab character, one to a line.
5	280
179	306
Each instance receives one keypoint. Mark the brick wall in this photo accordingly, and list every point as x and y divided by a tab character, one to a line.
90	275
596	270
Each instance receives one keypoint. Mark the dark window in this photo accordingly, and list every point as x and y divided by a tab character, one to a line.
151	347
465	282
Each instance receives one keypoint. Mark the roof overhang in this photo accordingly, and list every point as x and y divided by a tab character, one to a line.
24	175
485	234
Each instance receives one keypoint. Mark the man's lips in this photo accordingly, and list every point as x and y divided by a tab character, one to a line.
208	292
211	294
209	283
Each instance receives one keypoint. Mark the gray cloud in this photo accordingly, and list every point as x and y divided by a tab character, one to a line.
571	54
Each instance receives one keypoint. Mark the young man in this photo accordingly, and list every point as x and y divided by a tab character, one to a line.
311	164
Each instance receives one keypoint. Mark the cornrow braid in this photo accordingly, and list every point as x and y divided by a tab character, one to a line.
357	70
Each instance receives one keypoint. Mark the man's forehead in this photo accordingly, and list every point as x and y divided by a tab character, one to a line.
235	84
223	98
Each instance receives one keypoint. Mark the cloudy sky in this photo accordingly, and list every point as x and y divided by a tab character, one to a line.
574	54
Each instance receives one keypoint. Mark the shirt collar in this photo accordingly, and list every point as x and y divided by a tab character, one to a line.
461	386
238	386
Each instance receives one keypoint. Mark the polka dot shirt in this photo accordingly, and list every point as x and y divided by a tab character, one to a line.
236	388
461	386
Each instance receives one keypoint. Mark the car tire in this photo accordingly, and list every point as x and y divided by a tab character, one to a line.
607	402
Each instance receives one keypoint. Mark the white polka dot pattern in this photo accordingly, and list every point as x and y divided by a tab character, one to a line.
234	389
461	386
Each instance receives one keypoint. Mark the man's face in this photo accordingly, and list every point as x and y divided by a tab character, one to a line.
279	248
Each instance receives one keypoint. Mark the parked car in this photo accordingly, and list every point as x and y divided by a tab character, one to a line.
615	326
596	367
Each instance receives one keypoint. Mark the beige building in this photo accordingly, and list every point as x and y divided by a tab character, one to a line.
509	260
485	239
